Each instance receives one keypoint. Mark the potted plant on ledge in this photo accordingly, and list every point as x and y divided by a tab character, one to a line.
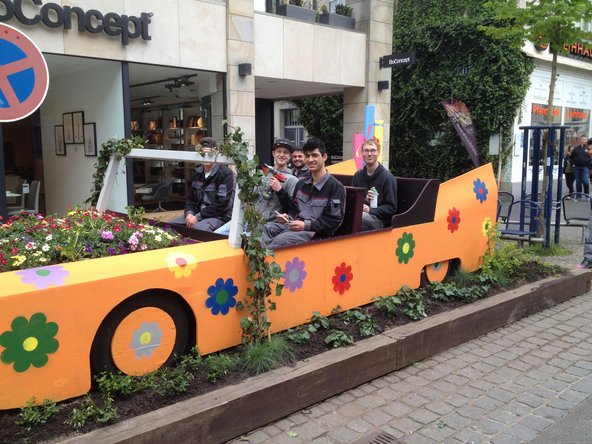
342	17
297	9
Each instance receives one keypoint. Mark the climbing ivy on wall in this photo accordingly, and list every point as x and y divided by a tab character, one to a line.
452	60
323	118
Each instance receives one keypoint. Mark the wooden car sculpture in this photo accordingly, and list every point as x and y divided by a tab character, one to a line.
132	313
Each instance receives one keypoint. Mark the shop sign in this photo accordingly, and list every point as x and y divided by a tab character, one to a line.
92	21
394	60
23	75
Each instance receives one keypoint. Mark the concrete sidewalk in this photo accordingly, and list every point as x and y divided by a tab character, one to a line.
529	381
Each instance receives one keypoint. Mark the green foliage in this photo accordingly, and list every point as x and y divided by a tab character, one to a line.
342	9
118	147
452	60
33	415
319	321
219	365
389	305
323	118
338	338
548	22
365	322
263	356
117	384
262	273
413	302
300	335
553	250
89	412
173	380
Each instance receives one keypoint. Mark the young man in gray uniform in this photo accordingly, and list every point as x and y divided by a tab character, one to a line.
317	207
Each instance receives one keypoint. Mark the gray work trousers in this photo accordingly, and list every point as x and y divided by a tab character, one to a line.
279	235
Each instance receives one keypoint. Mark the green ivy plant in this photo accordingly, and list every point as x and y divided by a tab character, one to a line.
264	273
118	147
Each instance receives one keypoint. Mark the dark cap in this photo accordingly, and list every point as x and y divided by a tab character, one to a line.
282	143
208	142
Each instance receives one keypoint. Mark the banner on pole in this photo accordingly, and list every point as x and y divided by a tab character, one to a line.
358	142
379	135
369	122
463	124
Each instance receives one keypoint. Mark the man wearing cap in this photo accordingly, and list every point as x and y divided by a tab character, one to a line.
209	203
277	191
277	188
317	207
300	170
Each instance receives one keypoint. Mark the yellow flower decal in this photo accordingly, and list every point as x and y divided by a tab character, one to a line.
486	227
181	264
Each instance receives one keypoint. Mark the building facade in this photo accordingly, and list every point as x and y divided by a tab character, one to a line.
174	71
572	105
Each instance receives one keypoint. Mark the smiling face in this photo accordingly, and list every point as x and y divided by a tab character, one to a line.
370	152
281	157
315	160
298	159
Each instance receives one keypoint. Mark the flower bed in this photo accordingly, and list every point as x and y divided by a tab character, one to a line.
29	241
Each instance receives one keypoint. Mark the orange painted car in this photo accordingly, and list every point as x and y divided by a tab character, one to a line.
61	323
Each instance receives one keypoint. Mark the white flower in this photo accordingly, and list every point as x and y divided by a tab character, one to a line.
158	238
48	238
45	247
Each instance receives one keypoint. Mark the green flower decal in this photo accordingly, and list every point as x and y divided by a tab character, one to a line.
405	247
29	342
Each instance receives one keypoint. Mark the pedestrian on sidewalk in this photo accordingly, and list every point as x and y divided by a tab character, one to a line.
581	161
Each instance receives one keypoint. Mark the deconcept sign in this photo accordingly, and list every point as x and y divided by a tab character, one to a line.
53	15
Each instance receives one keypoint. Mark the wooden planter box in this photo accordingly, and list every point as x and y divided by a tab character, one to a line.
340	21
297	12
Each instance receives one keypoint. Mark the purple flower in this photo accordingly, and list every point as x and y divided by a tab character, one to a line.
43	277
107	235
294	274
111	250
88	249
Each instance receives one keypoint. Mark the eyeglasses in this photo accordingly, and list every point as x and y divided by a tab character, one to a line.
372	151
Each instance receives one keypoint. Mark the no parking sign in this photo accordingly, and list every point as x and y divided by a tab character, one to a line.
23	75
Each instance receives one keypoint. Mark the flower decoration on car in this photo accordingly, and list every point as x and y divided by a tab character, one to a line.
342	278
222	296
146	339
181	264
405	248
453	219
43	277
29	342
480	190
486	227
294	274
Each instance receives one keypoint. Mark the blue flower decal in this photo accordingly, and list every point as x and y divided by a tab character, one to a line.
480	190
222	296
146	339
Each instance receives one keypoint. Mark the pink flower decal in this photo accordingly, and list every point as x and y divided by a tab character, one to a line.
43	277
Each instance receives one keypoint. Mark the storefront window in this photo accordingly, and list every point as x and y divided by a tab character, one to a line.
539	113
579	120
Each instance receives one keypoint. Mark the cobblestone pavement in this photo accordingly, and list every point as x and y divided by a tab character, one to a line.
528	381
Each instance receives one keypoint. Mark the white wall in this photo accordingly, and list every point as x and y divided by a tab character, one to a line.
97	90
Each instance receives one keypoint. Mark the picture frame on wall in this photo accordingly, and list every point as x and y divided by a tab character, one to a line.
68	128
78	126
60	146
90	139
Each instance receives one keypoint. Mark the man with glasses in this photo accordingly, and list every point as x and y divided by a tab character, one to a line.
381	201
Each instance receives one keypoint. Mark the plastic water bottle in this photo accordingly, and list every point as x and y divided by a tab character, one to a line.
25	187
374	201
